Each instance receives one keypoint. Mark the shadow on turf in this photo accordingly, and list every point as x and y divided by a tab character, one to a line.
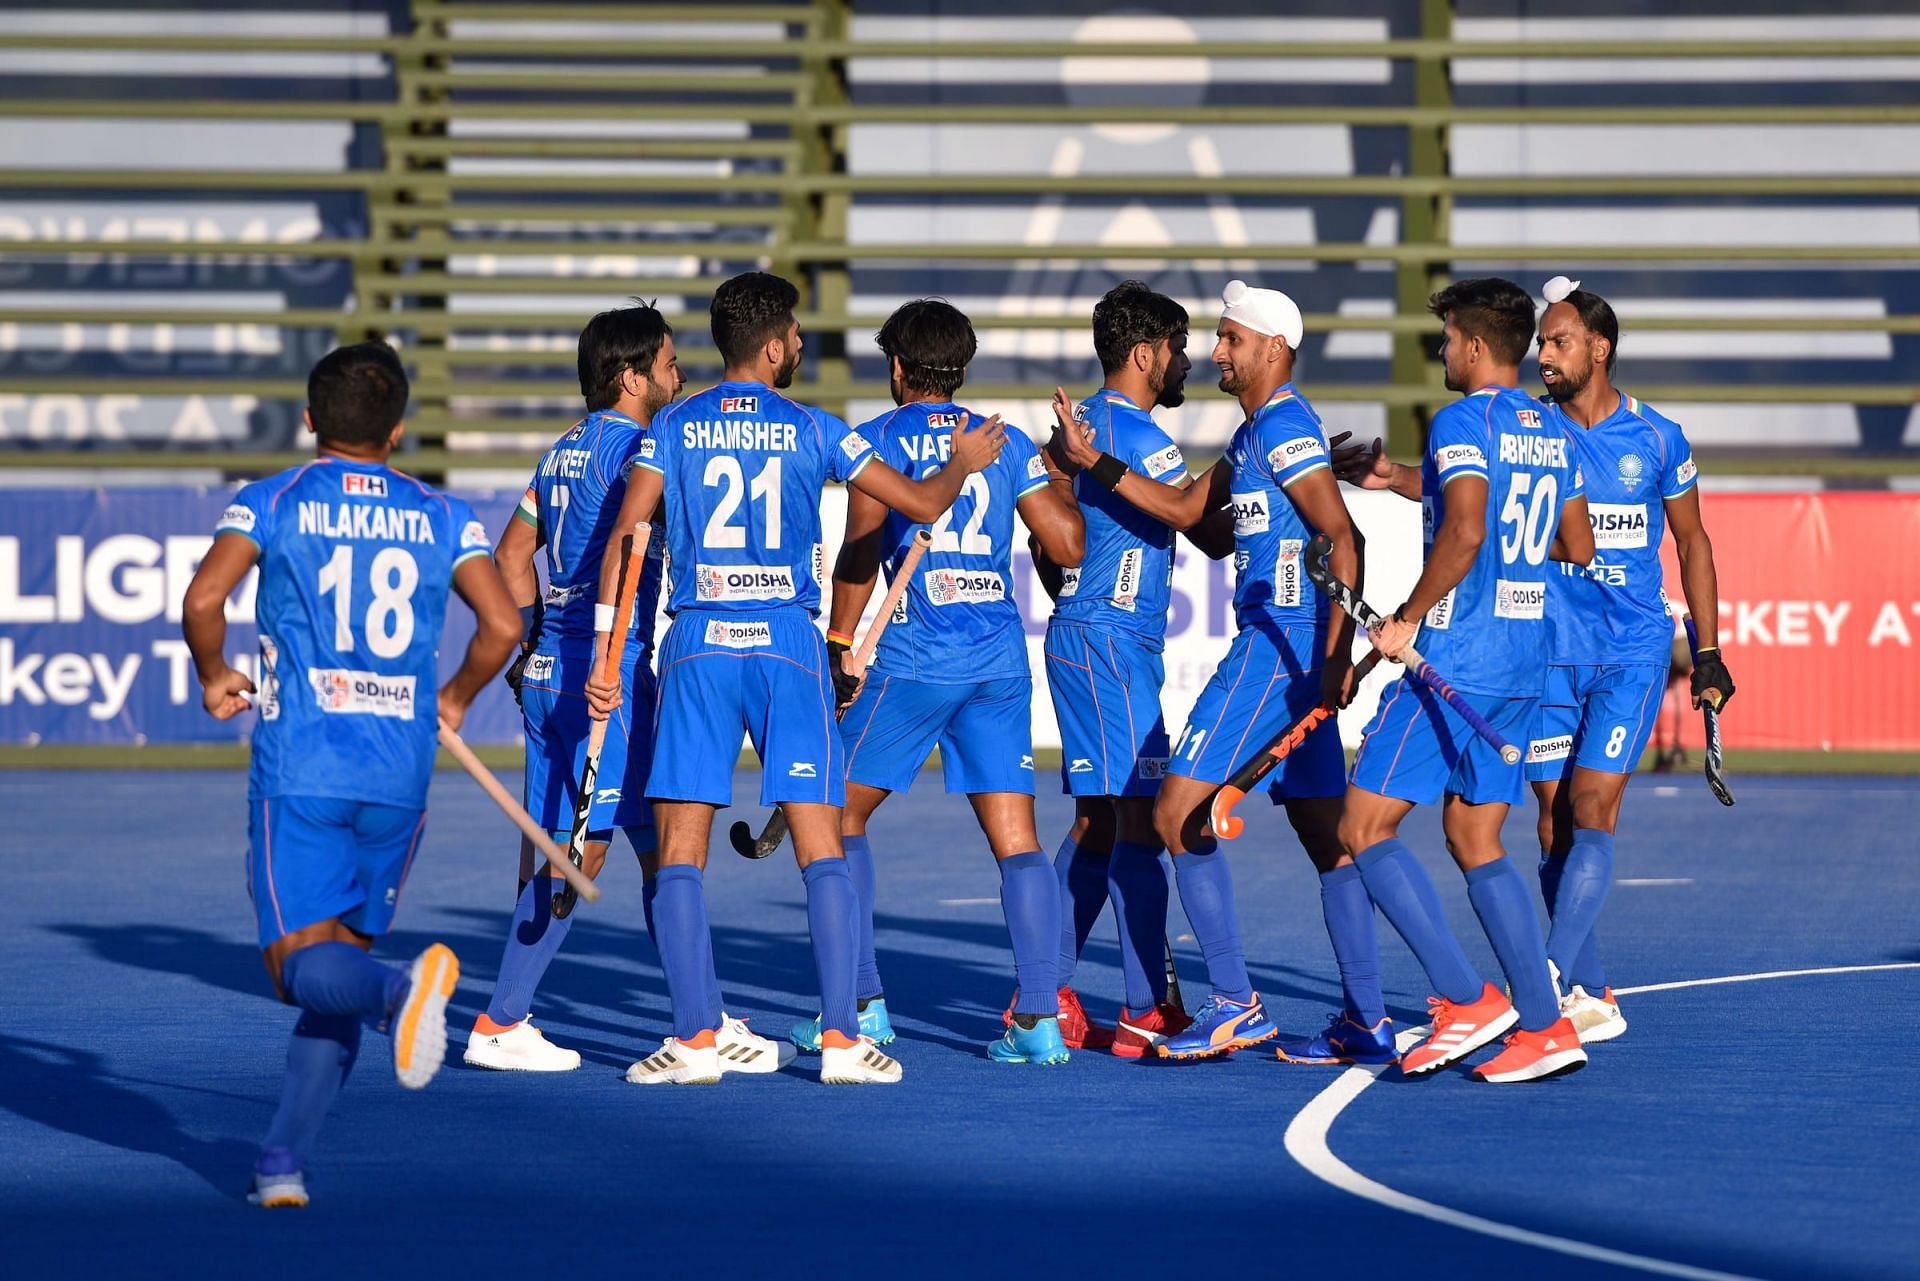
72	1091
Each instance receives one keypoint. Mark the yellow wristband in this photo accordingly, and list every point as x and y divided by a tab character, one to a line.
840	638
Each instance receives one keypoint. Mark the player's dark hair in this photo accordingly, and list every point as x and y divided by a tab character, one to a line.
1596	313
934	342
614	342
357	394
1129	315
750	311
1497	312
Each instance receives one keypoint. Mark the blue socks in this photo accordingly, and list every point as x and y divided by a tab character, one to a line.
322	1053
859	852
1577	892
1504	905
1349	915
532	939
1137	883
832	908
1083	894
686	949
1206	893
1030	897
1405	895
339	978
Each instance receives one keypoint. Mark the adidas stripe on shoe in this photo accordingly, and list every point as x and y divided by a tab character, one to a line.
1535	1056
1459	1030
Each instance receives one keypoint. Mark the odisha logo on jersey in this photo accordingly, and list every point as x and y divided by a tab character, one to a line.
343	692
356	482
739	635
1126	581
1249	514
1618	524
742	582
1632	468
1287	570
964	587
739	404
1519	600
1549	749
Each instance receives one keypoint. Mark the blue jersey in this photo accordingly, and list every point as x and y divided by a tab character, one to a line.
1489	634
356	560
573	502
1282	442
958	623
1615	612
743	468
1125	580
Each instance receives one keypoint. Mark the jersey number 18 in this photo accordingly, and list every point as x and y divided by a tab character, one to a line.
389	619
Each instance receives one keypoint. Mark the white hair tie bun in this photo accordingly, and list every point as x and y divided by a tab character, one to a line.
1558	288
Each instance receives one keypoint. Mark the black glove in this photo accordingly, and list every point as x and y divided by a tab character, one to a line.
516	671
845	686
1709	673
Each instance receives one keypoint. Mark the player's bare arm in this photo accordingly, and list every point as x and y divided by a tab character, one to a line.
513	556
974	448
1455	545
1573	539
1702	588
203	620
855	572
1368	467
1059	533
1316	496
477	581
644	487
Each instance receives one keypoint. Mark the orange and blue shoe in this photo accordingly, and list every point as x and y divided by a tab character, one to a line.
1136	1036
1220	1027
1346	1040
1459	1030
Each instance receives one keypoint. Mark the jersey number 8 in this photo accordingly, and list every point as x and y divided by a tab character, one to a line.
389	620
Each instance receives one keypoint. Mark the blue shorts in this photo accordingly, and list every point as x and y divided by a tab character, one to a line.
765	676
1594	717
1106	696
1418	749
984	729
554	708
312	858
1269	679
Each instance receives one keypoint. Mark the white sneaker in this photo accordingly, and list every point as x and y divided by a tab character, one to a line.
1595	1018
420	1027
861	1063
520	1048
679	1062
278	1191
741	1051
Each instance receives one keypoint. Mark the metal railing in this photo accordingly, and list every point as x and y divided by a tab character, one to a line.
451	236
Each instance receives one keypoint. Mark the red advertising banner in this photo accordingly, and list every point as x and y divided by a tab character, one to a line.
1819	618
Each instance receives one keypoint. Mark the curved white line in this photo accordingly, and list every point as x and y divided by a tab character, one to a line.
1306	1142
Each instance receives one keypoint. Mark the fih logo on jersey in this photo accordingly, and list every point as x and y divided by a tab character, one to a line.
1519	600
1633	469
1618	524
743	582
739	404
963	586
1126	582
949	421
1250	514
1528	417
1549	749
1287	571
349	693
359	482
739	635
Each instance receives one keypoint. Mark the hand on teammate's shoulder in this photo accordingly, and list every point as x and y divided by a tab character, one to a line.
975	448
1364	465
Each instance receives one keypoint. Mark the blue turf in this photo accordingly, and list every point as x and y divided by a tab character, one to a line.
1764	1128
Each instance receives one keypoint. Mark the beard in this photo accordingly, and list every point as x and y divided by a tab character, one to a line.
783	377
1565	385
1167	392
658	397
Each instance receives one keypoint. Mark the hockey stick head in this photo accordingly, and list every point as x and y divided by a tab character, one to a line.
1226	824
740	836
1318	573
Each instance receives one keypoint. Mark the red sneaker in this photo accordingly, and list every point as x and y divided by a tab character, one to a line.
1139	1034
1535	1056
1076	1029
1459	1030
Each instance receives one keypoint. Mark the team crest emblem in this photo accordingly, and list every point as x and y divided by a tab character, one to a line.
1631	470
739	404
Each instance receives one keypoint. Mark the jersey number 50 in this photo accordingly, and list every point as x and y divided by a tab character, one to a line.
389	620
1532	522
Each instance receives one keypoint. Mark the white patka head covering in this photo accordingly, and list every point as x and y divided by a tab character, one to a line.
1265	311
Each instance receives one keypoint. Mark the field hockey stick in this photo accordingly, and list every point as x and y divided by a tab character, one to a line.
1417	667
631	571
1220	815
740	835
1710	713
1173	979
458	749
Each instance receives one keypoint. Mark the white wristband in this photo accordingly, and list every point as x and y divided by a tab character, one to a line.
603	618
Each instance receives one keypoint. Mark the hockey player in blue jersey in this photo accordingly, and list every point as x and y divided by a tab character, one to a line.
740	469
952	667
1500	488
1611	634
356	561
1274	489
1104	670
